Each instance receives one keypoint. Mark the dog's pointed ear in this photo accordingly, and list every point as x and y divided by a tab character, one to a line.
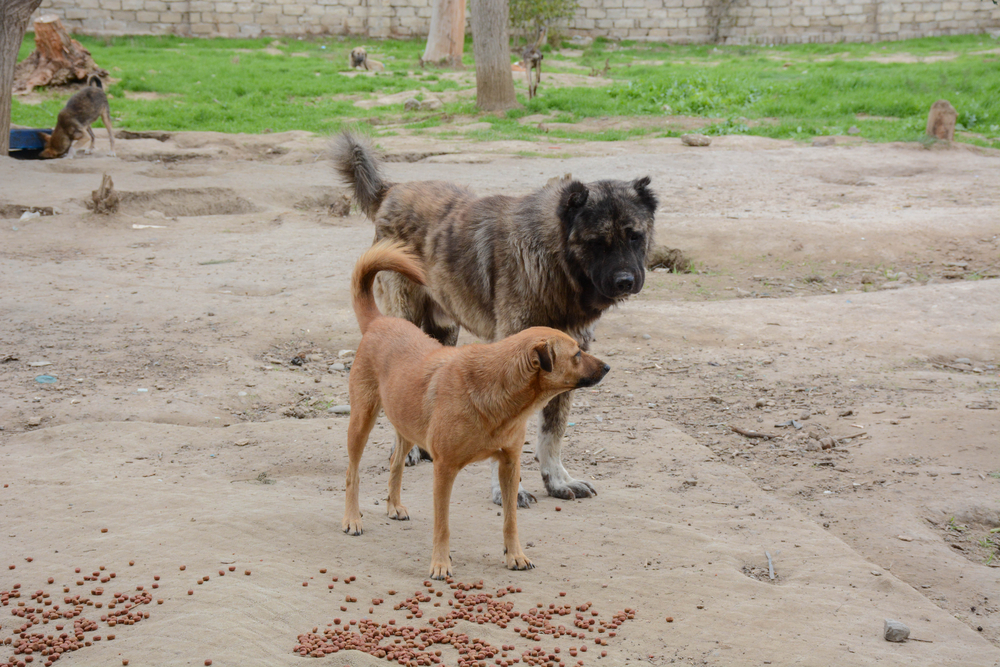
574	197
543	356
46	137
646	196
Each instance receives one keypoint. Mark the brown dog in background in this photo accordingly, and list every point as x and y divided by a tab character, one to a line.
359	60
460	404
77	116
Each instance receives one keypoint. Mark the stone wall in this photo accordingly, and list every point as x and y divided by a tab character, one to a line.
724	21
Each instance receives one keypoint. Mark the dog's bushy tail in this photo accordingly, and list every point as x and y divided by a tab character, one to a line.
383	256
95	81
355	161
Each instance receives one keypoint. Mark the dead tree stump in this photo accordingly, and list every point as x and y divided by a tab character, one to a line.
57	60
105	199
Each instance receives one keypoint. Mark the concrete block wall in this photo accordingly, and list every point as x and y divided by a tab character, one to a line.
682	21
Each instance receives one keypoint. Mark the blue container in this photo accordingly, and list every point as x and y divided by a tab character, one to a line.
26	144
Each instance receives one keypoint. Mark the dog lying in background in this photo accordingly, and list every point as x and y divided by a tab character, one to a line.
77	116
460	404
359	60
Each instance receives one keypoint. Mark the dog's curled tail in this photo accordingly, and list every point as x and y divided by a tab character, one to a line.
355	161
95	81
383	256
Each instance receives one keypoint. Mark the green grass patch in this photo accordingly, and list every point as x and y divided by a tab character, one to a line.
790	92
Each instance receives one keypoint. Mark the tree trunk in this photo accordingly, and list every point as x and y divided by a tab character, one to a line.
446	39
494	82
57	60
14	17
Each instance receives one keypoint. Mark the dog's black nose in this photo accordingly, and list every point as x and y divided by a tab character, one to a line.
624	281
604	371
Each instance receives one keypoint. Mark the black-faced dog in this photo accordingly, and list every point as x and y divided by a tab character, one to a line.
558	257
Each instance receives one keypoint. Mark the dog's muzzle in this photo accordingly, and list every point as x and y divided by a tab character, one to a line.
591	380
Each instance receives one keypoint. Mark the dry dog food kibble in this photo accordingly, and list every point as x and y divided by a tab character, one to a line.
468	605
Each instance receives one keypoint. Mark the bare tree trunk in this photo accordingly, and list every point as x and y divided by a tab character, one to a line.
494	82
14	17
446	39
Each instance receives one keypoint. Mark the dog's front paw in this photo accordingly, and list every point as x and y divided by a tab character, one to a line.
440	570
353	525
413	456
112	154
569	488
519	562
397	512
524	499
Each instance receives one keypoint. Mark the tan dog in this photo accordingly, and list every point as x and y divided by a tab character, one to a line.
76	117
461	404
359	60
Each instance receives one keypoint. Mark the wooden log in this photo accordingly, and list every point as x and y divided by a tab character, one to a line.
57	60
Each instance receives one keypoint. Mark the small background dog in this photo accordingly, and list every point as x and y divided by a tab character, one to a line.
359	60
76	117
462	405
558	257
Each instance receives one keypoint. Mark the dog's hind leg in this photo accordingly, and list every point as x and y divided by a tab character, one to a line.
551	427
394	508
364	412
106	119
444	480
509	464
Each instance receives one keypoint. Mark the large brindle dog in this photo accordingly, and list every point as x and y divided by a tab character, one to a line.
558	257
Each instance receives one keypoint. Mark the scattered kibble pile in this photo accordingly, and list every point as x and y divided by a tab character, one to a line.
44	629
29	641
414	646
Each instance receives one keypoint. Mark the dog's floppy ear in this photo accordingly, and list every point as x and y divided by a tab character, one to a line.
46	137
543	354
574	197
646	196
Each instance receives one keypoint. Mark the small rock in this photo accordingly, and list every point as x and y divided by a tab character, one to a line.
827	443
339	409
431	104
337	367
695	140
39	364
153	214
904	538
813	446
854	130
646	337
941	121
581	40
821	142
964	360
344	354
34	421
759	403
691	482
894	631
411	104
241	443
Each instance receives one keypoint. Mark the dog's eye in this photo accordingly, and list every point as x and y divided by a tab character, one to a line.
634	236
579	354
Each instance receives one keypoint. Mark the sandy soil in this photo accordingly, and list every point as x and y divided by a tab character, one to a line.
850	288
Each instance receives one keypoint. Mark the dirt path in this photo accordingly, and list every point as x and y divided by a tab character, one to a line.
849	289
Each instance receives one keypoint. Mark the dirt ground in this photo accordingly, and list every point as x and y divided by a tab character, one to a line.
166	375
